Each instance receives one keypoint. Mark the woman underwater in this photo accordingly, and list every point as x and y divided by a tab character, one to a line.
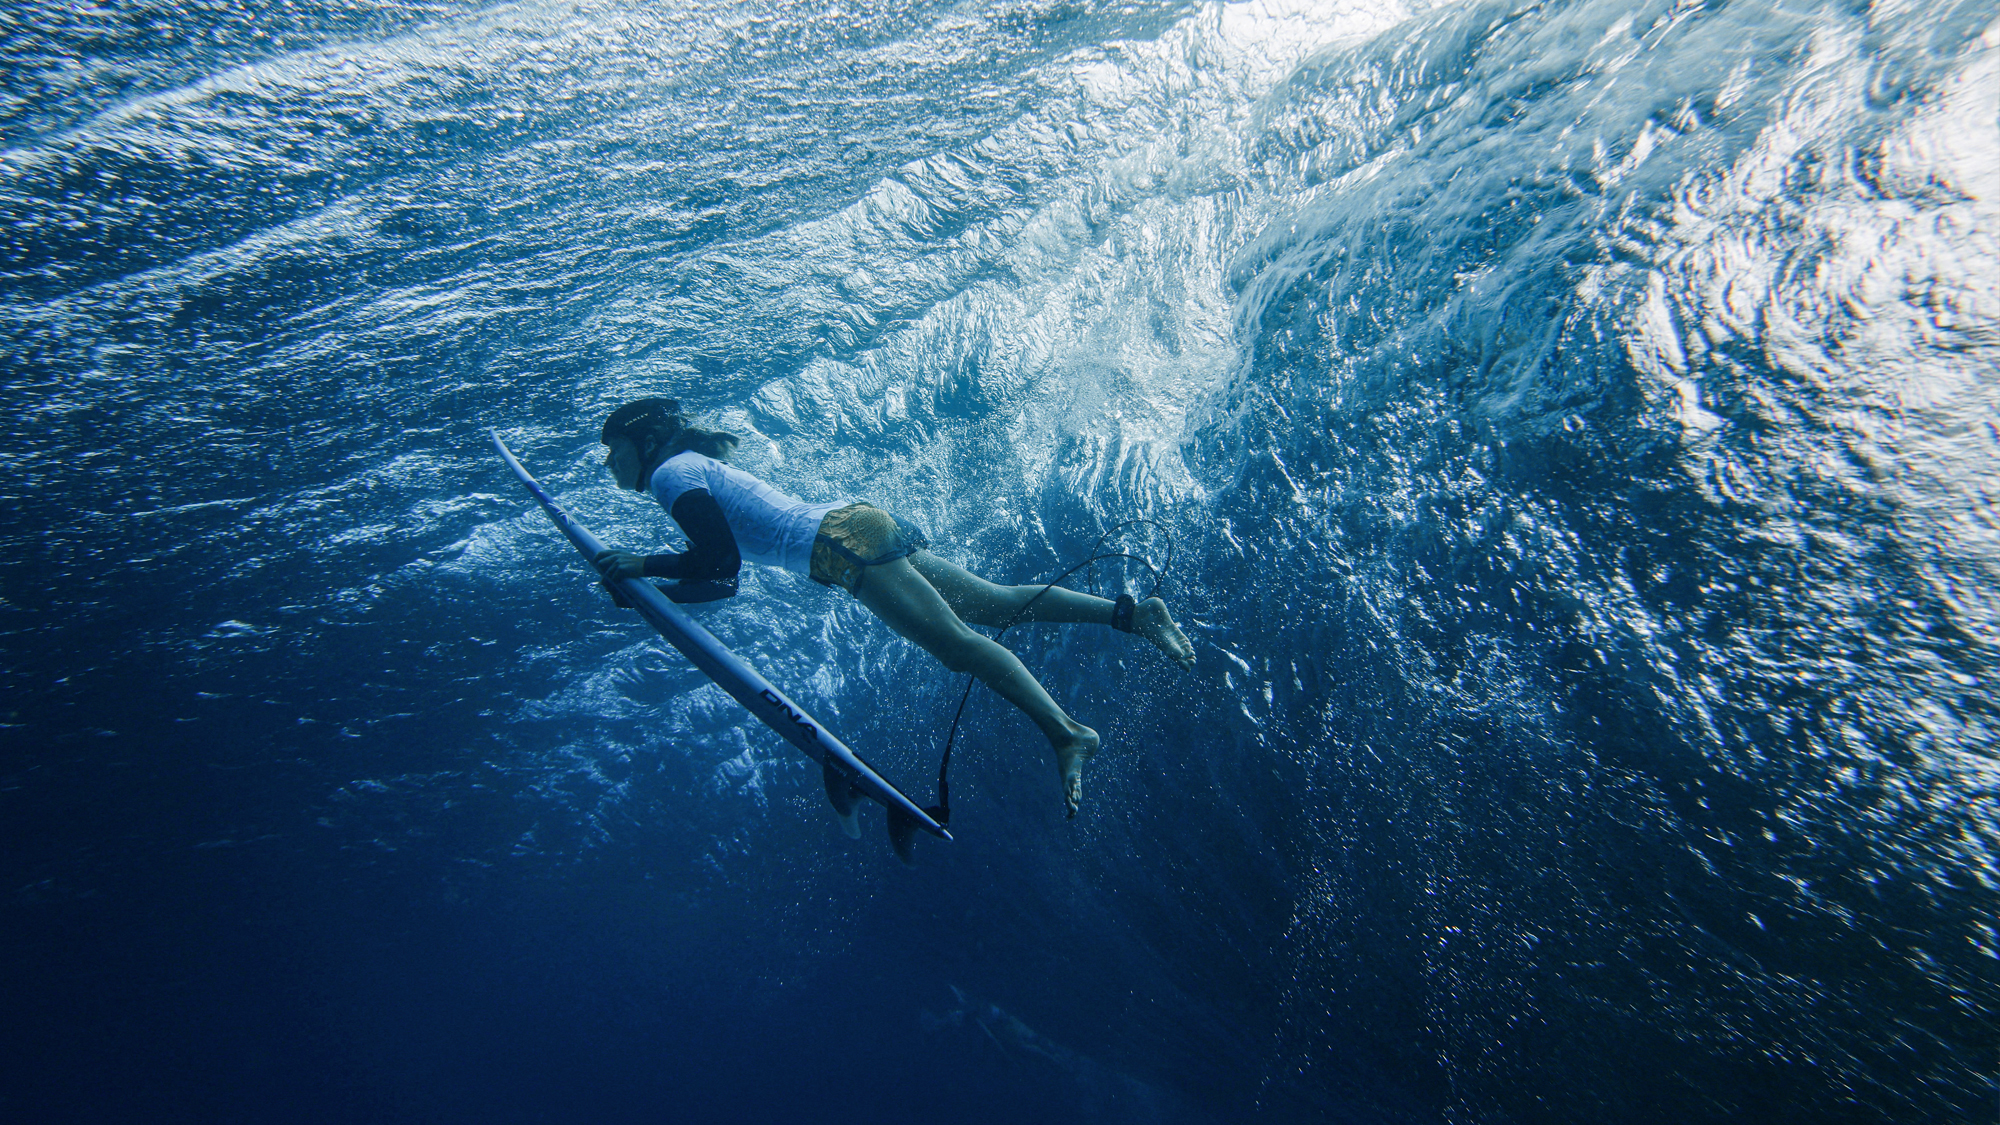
729	516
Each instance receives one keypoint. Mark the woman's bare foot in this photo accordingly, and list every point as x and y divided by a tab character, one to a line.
1071	754
1152	621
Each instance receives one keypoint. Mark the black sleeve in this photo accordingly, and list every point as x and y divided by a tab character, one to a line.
711	555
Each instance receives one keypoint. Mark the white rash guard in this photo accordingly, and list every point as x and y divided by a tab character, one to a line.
770	527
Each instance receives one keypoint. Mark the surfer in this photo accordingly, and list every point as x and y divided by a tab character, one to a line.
729	516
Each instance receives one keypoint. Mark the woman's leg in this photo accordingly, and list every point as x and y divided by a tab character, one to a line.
980	602
900	595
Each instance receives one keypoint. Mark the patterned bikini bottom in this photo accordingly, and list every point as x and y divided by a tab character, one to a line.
859	536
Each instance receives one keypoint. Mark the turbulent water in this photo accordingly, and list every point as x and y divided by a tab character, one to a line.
1574	427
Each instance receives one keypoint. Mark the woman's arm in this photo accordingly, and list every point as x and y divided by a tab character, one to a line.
711	560
711	555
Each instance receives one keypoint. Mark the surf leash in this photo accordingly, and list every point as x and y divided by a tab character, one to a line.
941	812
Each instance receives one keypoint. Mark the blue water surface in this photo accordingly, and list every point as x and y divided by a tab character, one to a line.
1573	425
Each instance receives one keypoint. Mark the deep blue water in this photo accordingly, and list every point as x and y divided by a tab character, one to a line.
1575	424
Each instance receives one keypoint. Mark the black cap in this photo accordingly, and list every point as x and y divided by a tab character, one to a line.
648	418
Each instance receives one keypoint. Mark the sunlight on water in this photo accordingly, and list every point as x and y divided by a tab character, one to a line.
1576	424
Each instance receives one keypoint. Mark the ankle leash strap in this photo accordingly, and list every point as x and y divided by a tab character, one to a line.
1121	613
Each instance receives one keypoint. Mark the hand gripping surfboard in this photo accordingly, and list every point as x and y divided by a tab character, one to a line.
846	774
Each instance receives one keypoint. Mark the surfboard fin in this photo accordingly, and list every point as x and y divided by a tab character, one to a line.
841	790
902	835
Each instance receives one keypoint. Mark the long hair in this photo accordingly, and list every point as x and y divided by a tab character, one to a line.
661	431
709	443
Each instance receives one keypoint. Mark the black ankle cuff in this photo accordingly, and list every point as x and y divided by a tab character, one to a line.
1121	613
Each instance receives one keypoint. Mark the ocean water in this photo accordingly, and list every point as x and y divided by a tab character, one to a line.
1575	427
